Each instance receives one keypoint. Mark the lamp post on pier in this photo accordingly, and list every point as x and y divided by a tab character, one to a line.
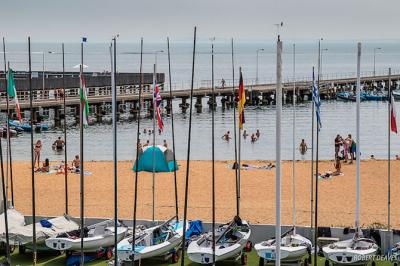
375	49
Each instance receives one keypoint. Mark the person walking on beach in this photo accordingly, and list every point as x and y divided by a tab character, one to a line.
226	136
303	147
58	145
37	149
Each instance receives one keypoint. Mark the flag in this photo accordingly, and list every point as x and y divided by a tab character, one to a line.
12	92
242	101
317	102
393	124
157	106
84	101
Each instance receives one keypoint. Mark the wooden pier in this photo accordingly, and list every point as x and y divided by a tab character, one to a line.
48	92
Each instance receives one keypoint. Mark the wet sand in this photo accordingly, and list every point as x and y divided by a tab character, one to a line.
336	196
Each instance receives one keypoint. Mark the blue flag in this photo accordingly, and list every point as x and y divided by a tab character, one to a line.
317	102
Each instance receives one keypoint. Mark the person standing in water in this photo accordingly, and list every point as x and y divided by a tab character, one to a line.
226	136
245	134
303	147
258	134
59	144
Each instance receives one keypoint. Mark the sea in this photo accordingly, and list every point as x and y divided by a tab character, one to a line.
338	60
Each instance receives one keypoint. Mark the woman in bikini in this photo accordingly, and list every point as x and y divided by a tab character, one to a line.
37	150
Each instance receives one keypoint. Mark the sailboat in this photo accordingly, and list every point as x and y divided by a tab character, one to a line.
228	241
161	239
293	246
357	250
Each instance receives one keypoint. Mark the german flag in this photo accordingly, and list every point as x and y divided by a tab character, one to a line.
242	101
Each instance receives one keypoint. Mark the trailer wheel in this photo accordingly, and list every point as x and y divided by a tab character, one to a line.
249	246
373	263
261	262
326	262
305	263
243	259
174	258
22	249
395	264
109	254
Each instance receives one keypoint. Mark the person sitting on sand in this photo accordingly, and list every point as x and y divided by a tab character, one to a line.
45	167
226	136
338	167
397	157
58	145
62	168
303	147
253	138
76	164
245	134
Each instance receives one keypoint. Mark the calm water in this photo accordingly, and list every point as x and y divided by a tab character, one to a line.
337	118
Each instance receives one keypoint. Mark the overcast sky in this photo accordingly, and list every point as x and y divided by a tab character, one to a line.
68	20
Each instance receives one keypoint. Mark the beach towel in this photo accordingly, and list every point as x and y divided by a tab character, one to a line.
253	167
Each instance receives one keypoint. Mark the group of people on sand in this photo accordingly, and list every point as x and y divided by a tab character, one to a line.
58	145
140	146
345	148
254	136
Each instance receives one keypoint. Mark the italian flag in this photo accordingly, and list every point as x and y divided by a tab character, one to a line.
12	92
84	101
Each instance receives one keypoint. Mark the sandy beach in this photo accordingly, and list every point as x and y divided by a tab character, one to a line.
336	195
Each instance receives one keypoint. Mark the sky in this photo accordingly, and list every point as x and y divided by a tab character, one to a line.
154	20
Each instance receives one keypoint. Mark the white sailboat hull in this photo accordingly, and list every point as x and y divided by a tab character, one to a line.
343	253
288	254
204	255
144	252
89	243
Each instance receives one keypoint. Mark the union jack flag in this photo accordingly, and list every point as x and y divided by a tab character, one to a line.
157	106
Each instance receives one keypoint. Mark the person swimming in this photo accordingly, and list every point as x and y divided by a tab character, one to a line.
226	136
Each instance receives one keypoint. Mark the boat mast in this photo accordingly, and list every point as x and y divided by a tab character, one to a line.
114	120
234	129
294	142
3	181
316	156
32	156
213	150
154	138
278	152
357	222
65	132
188	154
137	150
173	132
82	182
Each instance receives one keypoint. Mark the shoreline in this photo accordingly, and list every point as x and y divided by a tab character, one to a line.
336	195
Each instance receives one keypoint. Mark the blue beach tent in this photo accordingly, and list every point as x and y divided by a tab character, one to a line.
164	160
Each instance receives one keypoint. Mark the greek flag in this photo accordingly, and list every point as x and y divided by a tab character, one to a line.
317	102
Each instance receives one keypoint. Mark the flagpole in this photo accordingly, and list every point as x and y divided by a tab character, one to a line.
234	128
114	114
65	132
2	175
357	224
278	152
154	140
213	151
32	157
294	145
316	160
239	156
82	182
137	149
389	128
173	132
188	154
